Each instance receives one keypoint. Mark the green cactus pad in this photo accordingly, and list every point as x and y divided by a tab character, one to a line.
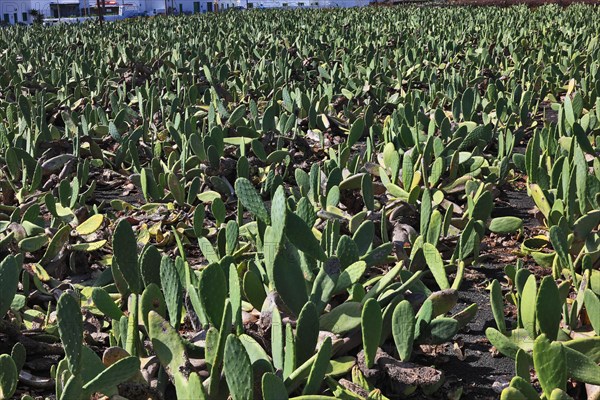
527	306
423	318
509	344
238	369
125	255
318	369
132	344
524	387
436	265
70	327
300	234
466	315
289	280
273	388
278	217
253	288
307	333
260	360
510	393
150	266
277	339
344	318
522	364
558	394
550	363
212	290
403	329
152	299
235	297
371	325
250	199
9	276
363	237
548	308
592	305
219	351
347	251
172	288
119	372
497	305
442	329
582	368
166	343
9	376
350	276
106	304
73	389
325	284
231	237
19	355
505	225
443	301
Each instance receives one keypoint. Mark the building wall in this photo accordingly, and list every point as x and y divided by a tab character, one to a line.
191	6
348	3
202	6
18	10
308	3
45	7
152	7
9	9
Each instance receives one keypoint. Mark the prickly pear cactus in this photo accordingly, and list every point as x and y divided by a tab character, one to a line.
152	299
592	305
166	342
403	329
9	376
150	266
550	363
307	333
278	217
548	308
505	225
125	255
273	388
300	234
213	292
318	369
172	288
106	304
250	199
19	355
112	376
371	324
70	328
238	369
9	280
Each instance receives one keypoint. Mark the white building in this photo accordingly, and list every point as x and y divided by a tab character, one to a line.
19	11
12	11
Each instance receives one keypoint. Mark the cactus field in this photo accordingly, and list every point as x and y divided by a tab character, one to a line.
356	204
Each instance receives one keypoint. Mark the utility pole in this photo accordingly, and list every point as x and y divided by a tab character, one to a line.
99	10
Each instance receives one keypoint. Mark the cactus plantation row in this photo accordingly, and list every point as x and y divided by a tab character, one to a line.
302	205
